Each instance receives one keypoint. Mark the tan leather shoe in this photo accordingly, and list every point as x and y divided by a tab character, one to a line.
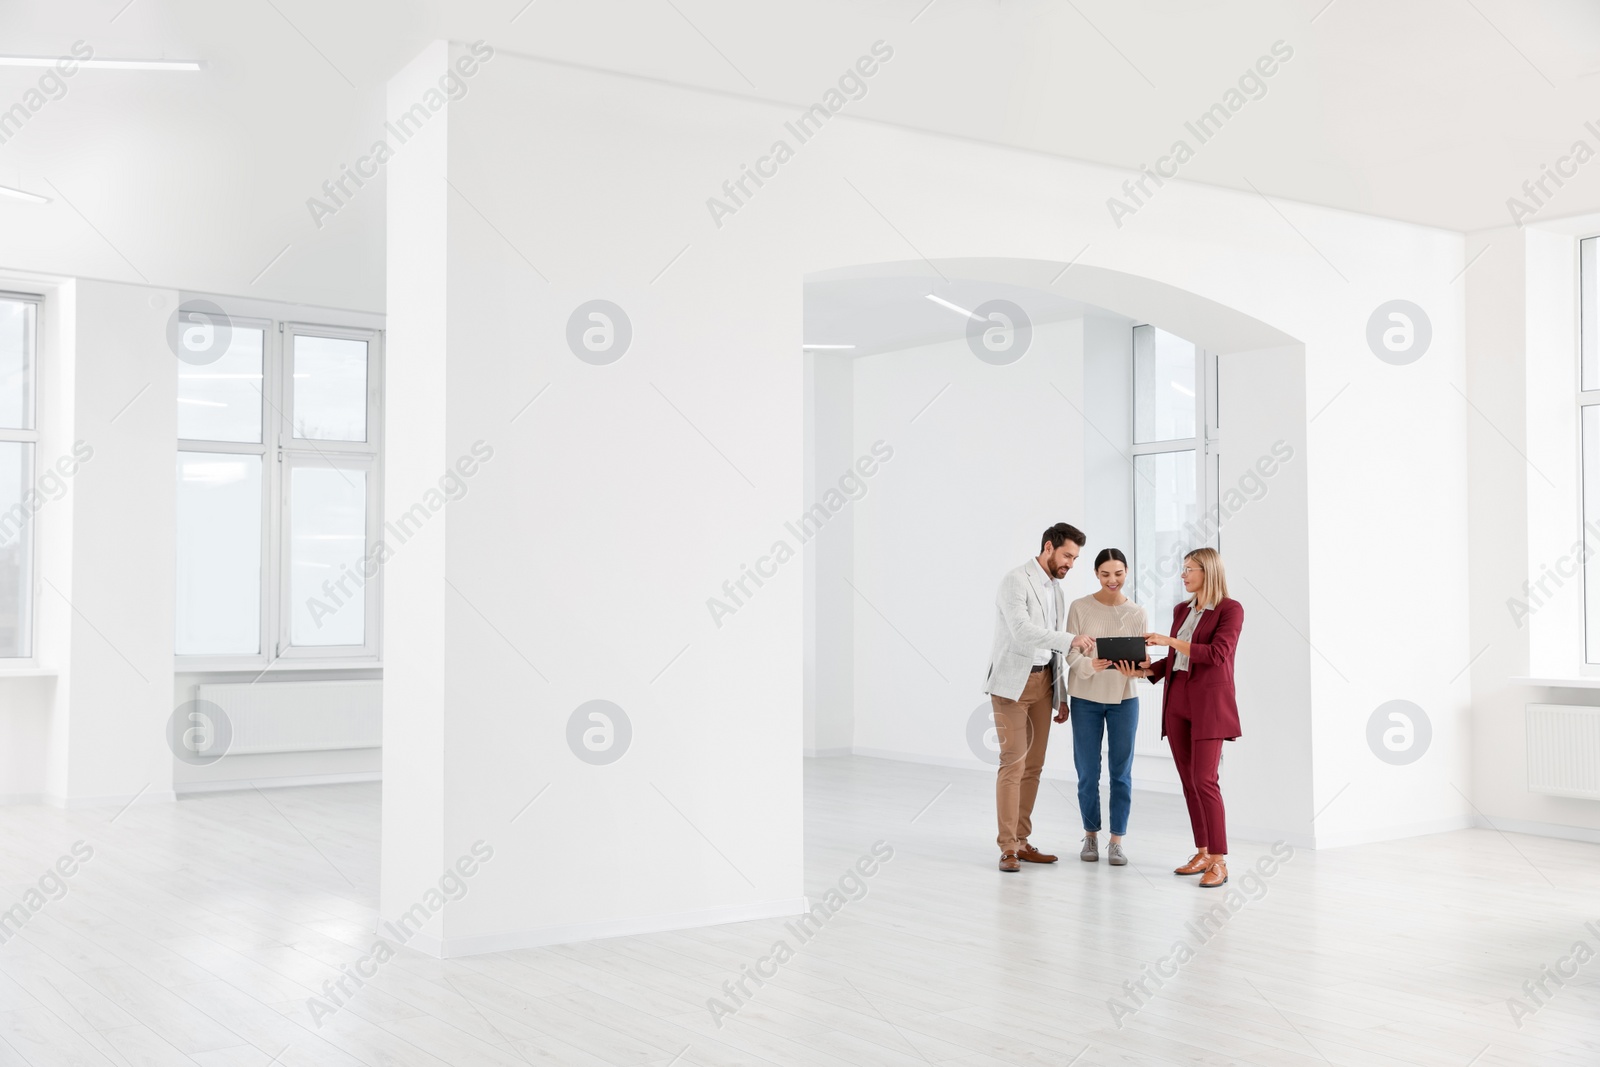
1197	863
1032	855
1009	862
1216	874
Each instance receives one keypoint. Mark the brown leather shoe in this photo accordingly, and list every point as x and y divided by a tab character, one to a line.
1197	863
1033	855
1216	874
1009	862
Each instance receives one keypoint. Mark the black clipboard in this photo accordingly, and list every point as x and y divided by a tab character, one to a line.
1121	649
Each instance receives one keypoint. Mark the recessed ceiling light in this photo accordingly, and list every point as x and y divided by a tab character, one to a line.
818	348
954	307
103	64
23	194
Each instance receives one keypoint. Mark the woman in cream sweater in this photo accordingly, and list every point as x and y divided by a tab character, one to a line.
1103	705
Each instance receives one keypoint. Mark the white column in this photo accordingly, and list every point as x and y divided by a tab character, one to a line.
585	499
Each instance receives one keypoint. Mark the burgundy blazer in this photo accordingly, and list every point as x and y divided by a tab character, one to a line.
1208	694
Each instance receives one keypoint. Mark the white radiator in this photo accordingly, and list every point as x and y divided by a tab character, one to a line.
299	716
1564	750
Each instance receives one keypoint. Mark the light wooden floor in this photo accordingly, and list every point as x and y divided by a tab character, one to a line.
197	931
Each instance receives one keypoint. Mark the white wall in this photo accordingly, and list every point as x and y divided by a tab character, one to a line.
830	451
1108	397
1271	774
580	566
90	731
974	481
416	605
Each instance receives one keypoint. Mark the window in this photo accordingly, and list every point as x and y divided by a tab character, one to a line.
19	319
1589	299
1589	430
278	491
1175	443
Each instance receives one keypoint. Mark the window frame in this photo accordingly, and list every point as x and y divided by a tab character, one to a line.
1206	444
1588	314
31	436
280	450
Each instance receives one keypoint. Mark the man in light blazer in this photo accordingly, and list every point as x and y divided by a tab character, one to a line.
1027	681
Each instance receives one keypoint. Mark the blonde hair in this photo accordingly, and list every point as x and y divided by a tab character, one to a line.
1214	587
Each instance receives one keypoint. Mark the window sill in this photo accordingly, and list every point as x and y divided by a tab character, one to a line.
29	672
280	666
1560	683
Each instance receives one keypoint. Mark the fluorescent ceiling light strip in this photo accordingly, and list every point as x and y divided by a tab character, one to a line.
820	347
955	307
103	64
23	194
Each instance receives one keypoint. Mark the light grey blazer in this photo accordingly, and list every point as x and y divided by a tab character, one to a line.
1019	631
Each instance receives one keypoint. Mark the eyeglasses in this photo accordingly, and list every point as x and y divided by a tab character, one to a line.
1196	570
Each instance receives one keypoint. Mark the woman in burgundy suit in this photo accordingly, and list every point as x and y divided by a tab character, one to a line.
1198	710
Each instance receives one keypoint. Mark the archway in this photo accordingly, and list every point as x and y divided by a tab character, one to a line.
936	461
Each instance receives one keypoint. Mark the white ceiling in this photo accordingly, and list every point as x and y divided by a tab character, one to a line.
1432	111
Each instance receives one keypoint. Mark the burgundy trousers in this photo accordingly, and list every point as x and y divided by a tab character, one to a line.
1197	760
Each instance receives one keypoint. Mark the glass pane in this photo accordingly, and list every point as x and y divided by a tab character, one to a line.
16	551
327	534
16	363
1589	276
221	401
1591	517
330	389
219	554
1163	386
1165	526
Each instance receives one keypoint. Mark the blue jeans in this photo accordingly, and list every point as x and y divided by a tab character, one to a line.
1092	720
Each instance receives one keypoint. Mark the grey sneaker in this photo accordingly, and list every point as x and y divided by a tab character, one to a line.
1091	849
1115	855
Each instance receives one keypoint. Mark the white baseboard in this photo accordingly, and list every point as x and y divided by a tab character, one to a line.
452	947
1394	832
190	788
826	753
1540	829
1069	775
1248	832
115	800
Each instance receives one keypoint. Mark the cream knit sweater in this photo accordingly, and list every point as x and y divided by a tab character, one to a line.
1088	616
